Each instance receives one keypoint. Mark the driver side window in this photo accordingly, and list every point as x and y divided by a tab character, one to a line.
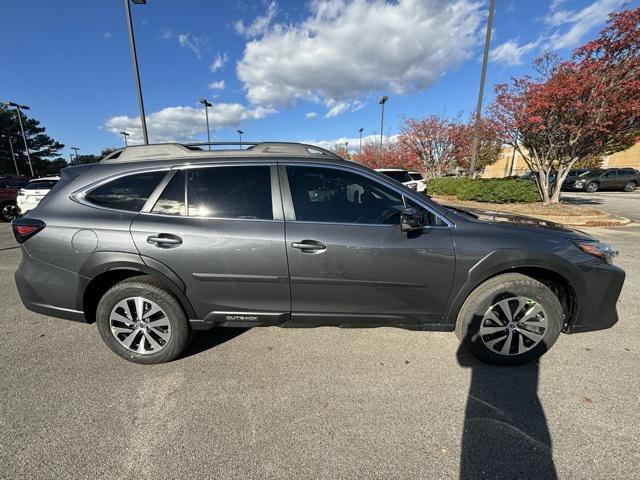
337	196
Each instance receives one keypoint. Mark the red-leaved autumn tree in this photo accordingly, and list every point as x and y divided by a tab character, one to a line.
579	109
390	156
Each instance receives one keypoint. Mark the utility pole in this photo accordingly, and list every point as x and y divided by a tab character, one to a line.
485	59
19	109
75	149
382	101
136	71
125	135
240	132
207	104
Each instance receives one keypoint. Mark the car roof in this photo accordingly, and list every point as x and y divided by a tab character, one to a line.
193	151
390	170
45	179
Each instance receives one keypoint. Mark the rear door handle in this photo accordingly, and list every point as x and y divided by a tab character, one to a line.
164	240
309	245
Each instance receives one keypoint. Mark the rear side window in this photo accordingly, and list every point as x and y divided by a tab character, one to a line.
219	192
126	193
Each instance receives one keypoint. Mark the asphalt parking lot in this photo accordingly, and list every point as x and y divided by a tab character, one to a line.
617	203
317	403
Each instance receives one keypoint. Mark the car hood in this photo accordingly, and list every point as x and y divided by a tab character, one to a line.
523	222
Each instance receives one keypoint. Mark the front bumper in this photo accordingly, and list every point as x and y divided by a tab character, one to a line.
573	187
597	303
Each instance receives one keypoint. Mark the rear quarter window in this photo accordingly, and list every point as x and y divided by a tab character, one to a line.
128	193
40	185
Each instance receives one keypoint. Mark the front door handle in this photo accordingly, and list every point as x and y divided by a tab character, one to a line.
164	240
309	246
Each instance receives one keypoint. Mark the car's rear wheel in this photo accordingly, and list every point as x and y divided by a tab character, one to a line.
510	319
8	212
630	187
142	322
592	187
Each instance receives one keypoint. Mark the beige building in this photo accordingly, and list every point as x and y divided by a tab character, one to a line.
511	163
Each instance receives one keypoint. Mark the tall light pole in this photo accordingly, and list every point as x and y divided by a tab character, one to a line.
485	59
13	155
207	104
134	60
75	149
19	109
125	135
240	132
382	101
360	148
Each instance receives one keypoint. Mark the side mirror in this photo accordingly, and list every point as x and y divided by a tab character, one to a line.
410	220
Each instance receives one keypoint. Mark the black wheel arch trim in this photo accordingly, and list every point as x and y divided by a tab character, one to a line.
511	260
103	262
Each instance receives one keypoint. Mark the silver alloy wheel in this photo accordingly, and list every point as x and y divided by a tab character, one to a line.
513	326
140	325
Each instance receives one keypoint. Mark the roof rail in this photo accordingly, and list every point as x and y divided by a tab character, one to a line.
138	153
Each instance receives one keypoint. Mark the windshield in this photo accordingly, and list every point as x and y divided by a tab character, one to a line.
40	185
416	176
399	175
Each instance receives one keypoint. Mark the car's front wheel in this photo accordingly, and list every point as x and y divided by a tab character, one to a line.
142	321
510	319
592	187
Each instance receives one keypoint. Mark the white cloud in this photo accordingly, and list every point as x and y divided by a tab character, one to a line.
510	53
336	55
184	123
259	25
357	105
581	22
336	108
565	29
107	35
310	115
188	41
217	85
218	62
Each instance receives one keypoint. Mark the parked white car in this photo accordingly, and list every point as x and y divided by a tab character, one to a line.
30	195
404	177
417	177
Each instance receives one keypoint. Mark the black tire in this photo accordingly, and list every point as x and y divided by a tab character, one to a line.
592	187
630	187
8	212
144	286
470	317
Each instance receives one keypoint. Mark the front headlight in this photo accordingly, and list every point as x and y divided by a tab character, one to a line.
579	183
602	250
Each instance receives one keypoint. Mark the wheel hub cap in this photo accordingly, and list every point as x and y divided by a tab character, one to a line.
513	326
140	325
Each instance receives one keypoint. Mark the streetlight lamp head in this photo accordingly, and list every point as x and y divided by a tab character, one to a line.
125	134
361	130
383	100
240	132
206	102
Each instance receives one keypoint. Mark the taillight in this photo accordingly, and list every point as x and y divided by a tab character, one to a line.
25	228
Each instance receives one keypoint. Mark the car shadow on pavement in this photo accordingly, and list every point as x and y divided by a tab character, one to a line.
581	200
505	430
204	340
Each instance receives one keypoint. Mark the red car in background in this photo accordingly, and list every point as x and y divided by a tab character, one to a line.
9	187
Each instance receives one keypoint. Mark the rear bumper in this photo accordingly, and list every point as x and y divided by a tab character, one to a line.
597	304
48	289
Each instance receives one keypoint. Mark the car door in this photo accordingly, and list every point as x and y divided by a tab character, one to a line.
221	230
608	180
349	262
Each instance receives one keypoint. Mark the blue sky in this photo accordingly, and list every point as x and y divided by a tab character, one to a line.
279	70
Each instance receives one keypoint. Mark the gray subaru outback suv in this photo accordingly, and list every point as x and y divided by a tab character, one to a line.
156	241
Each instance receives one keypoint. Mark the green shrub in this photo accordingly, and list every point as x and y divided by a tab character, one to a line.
493	190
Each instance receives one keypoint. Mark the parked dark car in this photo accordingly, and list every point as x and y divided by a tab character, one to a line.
591	181
529	175
155	241
9	187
